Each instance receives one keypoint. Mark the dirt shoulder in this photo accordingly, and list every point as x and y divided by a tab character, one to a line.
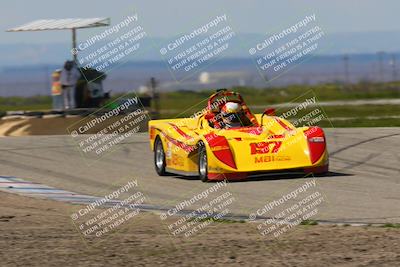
35	232
36	126
26	126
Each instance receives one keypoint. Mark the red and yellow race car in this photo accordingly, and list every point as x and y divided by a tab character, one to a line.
227	141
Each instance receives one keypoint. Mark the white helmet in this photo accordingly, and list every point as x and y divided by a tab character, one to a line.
231	107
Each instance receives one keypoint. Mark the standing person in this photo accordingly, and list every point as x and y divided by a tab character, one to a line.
56	91
69	77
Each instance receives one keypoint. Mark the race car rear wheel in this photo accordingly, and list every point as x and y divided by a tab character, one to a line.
203	165
159	157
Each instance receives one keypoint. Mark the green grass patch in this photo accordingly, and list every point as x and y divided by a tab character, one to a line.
309	222
36	103
361	122
355	116
211	219
352	111
266	96
391	225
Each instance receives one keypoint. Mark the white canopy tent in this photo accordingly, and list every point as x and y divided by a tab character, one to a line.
63	24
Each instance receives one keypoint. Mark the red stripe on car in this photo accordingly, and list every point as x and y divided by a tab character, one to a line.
152	132
179	144
220	148
182	133
286	127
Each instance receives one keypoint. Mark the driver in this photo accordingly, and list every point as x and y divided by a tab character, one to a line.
233	116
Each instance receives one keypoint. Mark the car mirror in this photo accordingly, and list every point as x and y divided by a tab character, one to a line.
269	112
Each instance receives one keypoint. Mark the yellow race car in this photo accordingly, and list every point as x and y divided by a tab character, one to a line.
227	141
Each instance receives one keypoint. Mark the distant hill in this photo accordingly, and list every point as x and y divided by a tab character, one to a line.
332	44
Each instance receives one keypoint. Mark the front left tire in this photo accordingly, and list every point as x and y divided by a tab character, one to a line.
203	163
159	157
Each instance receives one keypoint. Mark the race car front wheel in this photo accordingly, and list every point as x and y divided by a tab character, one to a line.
159	157
203	165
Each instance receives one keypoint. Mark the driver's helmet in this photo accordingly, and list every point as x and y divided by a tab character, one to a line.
232	114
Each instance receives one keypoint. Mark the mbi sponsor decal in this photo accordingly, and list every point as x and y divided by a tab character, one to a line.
269	158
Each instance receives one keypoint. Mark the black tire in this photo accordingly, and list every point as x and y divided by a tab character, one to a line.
159	157
202	163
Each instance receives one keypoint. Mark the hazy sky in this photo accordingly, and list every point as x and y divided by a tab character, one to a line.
166	18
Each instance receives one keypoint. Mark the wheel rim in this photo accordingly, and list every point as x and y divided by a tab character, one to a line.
159	156
203	163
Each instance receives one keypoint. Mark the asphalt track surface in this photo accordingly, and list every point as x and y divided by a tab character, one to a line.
362	187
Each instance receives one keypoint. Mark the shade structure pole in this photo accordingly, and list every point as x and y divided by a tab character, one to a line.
74	50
